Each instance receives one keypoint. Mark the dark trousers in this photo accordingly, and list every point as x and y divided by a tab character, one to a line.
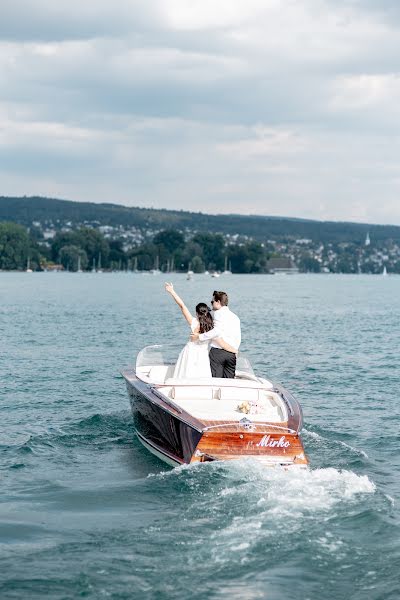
222	363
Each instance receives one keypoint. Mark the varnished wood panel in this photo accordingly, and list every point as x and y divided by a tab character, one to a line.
227	445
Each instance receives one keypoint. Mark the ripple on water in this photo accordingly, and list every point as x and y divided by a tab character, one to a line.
87	512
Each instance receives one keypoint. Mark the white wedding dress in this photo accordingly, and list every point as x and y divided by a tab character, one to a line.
193	361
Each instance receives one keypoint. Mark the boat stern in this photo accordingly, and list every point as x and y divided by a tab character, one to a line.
271	448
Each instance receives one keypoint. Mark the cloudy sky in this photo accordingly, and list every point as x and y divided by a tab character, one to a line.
274	107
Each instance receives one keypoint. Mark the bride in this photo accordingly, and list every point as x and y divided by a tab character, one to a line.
193	361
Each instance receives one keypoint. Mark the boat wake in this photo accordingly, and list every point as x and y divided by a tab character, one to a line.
279	491
251	511
355	450
328	441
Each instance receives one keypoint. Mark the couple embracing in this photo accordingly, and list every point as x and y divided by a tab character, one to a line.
214	341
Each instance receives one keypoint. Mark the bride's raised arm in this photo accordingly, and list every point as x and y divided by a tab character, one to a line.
185	311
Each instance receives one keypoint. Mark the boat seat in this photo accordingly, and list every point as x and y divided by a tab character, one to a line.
207	403
160	373
195	393
239	394
231	395
226	410
218	382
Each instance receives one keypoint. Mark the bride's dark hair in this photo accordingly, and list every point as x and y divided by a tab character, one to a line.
204	317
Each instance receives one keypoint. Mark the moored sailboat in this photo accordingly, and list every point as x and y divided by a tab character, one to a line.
28	266
227	271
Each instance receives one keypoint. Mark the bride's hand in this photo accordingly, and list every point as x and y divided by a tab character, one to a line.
169	287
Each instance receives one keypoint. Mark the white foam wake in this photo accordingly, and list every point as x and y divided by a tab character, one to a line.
254	506
299	490
293	490
271	505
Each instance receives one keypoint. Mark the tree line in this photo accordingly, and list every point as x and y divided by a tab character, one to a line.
27	210
87	248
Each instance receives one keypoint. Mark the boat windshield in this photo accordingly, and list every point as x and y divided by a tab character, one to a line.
243	365
159	355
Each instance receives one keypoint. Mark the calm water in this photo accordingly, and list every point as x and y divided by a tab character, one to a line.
85	510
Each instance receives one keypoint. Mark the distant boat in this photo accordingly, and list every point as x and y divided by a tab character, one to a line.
79	265
94	266
190	273
215	274
227	271
384	272
156	270
28	266
99	269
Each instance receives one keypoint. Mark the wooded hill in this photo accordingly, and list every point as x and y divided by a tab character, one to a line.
26	210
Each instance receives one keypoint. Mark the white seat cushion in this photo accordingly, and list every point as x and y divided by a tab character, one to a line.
239	394
191	392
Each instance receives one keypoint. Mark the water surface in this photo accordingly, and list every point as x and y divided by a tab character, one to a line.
86	512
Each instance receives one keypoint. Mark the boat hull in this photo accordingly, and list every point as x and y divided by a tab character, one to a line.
163	433
178	438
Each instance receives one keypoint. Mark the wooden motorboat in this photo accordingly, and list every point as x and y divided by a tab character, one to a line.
196	420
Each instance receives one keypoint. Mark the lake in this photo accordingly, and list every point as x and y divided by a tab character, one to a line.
87	512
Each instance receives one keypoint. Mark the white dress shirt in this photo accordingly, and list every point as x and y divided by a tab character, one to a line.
226	326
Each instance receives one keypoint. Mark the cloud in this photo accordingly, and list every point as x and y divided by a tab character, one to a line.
253	106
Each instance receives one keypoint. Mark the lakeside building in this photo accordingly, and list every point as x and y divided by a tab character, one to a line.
282	265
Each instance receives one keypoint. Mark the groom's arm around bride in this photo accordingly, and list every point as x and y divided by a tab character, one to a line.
227	327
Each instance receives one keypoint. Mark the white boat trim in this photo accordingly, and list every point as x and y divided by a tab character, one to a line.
157	452
248	424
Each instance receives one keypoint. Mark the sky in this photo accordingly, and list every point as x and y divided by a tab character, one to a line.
265	107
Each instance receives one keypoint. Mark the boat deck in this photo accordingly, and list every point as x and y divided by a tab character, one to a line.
220	401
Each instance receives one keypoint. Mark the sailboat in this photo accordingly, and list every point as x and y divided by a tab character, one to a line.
28	266
190	273
99	269
156	270
226	270
94	266
384	272
79	265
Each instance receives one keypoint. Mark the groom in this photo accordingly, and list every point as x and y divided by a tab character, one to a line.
226	326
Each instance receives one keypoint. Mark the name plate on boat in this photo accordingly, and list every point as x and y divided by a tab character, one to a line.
268	442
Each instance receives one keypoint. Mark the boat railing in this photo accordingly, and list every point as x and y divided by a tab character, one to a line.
247	424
